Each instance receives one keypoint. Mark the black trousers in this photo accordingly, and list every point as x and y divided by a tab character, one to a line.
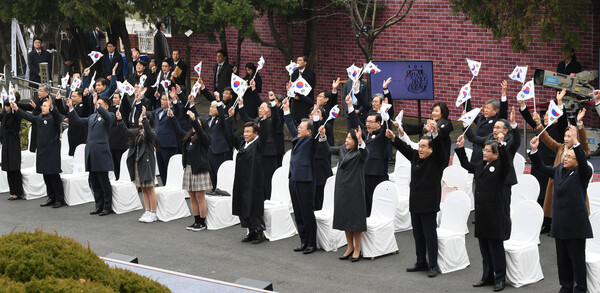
493	259
279	160
371	181
54	187
425	234
215	161
269	167
162	156
570	254
319	195
116	157
303	196
254	224
100	185
15	182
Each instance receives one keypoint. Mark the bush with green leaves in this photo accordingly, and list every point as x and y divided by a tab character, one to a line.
44	262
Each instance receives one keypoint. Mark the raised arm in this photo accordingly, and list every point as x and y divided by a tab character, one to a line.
537	161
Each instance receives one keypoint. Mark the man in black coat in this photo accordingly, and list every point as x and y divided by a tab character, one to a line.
34	58
118	142
427	166
98	158
69	55
94	39
278	133
302	105
222	72
492	224
35	106
131	69
359	92
161	46
248	186
166	136
109	60
570	223
47	156
302	180
77	134
180	69
377	144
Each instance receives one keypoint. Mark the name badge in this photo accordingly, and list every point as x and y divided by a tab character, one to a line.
372	136
571	173
492	169
45	121
490	121
442	126
99	118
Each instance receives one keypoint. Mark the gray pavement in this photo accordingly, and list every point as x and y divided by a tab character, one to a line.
220	255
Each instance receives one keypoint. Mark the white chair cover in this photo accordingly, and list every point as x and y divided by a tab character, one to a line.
522	255
171	197
27	159
76	185
592	255
33	184
593	192
401	174
456	161
402	220
519	164
225	176
3	177
286	158
125	197
527	188
591	166
452	251
220	207
328	238
277	214
379	239
64	142
457	176
66	161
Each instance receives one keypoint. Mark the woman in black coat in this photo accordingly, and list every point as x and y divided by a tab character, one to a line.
11	150
196	176
350	207
322	159
439	113
141	161
252	96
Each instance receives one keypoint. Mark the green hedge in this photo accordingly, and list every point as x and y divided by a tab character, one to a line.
43	262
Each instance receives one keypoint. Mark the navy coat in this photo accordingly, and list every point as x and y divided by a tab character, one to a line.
98	157
303	149
47	156
11	141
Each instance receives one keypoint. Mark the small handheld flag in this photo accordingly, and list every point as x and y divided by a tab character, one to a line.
354	72
64	81
464	94
371	68
519	74
469	117
11	93
383	111
333	113
196	89
165	84
93	82
554	112
399	117
527	91
301	86
128	88
239	85
293	66
261	63
198	68
142	82
95	55
75	84
3	95
474	66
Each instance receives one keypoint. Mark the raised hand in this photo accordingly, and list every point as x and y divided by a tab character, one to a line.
597	96
359	135
387	82
286	104
32	104
513	120
253	85
191	99
536	118
573	132
118	115
231	112
433	126
335	84
500	137
580	116
217	96
504	85
355	86
560	95
390	134
14	106
95	99
69	103
348	100
170	113
192	115
173	93
201	82
522	104
86	91
322	131
288	85
534	143
240	102
177	89
58	96
114	70
461	141
86	71
143	112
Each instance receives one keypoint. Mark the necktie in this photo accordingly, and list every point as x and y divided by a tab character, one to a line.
110	58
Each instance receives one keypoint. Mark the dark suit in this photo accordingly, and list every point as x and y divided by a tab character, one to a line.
180	80
94	39
444	126
33	61
47	156
130	70
77	134
485	126
68	52
98	158
11	151
492	224
362	100
222	78
570	223
302	106
252	97
322	163
161	47
108	92
167	142
108	64
302	183
118	142
424	198
141	156
34	126
572	67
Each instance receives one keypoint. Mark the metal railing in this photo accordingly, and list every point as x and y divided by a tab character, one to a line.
146	42
26	89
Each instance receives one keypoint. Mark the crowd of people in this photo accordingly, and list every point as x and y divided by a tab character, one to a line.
158	122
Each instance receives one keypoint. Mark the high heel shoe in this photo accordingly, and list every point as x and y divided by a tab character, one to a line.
345	257
352	259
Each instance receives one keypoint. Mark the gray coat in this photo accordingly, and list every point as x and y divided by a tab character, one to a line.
98	157
350	210
143	156
47	155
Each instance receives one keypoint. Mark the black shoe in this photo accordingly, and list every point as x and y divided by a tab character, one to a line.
499	286
58	204
260	238
211	192
483	283
418	267
15	198
545	229
104	213
432	272
190	227
49	202
310	250
251	236
596	152
345	257
95	212
302	247
222	192
198	227
352	259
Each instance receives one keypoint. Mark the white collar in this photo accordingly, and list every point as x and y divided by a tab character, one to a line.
246	145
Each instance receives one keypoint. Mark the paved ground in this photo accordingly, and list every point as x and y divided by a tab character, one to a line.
220	254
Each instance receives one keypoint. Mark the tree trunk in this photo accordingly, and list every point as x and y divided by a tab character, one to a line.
310	40
3	50
82	46
288	52
238	58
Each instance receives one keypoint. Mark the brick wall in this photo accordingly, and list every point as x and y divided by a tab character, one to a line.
430	32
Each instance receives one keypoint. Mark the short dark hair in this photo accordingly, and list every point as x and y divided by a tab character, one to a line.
135	48
177	51
159	24
279	97
143	63
229	89
252	124
304	57
105	100
168	60
251	65
493	144
506	124
38	39
443	109
429	140
102	80
223	52
79	92
352	133
111	43
377	117
309	123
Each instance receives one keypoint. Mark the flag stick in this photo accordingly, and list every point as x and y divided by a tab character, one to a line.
467	129
543	130
255	73
471	79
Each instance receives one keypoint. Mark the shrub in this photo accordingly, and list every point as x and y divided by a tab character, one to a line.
45	262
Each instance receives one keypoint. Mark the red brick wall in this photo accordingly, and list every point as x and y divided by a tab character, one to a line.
430	32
